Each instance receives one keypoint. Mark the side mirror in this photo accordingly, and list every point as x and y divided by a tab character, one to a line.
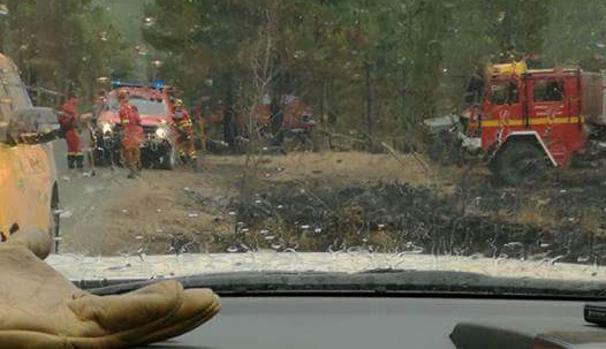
33	126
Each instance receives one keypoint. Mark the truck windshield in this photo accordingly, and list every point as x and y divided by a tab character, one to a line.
145	106
504	93
313	136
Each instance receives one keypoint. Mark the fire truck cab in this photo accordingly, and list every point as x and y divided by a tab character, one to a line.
531	119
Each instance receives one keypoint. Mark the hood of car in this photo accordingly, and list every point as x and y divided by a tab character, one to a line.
146	119
142	266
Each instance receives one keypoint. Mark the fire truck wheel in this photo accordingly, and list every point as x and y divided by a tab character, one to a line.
520	162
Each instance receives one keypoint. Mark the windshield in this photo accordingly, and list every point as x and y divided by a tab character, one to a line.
315	136
144	106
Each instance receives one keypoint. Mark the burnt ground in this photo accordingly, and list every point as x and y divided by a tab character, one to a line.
399	217
336	202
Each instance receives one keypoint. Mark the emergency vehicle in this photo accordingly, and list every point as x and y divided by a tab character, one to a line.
29	193
154	106
531	119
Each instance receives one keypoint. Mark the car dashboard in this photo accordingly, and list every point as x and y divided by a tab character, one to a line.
375	322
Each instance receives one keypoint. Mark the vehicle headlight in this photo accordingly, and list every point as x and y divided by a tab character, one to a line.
162	132
106	128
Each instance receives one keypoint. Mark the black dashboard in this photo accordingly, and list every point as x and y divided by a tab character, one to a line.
377	323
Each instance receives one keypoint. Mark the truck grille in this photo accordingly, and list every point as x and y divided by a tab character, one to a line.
149	129
146	129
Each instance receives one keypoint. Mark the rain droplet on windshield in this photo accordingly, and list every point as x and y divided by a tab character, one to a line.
298	54
142	51
148	21
583	259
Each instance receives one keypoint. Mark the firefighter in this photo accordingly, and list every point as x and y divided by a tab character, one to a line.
132	136
185	134
68	119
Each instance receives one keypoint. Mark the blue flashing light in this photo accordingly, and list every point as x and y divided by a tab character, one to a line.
158	84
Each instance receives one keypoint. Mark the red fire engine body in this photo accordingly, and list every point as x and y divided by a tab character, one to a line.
532	118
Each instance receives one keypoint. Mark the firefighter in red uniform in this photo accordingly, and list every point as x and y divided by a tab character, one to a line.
68	119
185	134
133	134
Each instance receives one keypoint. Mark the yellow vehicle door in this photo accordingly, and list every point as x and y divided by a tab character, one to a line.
27	172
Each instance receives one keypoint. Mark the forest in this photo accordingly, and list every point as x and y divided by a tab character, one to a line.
370	68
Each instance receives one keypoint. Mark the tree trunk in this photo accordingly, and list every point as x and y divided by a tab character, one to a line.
324	104
369	99
229	118
276	108
324	116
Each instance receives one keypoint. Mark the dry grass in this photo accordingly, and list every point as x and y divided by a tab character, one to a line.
345	167
536	212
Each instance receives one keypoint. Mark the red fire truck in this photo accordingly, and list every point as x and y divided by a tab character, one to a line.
529	119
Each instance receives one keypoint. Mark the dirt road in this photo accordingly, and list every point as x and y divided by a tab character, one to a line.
108	214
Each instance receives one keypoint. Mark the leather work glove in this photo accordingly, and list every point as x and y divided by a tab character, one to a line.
40	309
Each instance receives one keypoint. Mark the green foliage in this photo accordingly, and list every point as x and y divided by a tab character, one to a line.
372	67
64	44
583	41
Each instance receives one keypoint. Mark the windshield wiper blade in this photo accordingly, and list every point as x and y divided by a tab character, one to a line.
377	282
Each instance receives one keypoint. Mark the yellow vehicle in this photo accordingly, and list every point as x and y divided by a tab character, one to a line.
29	196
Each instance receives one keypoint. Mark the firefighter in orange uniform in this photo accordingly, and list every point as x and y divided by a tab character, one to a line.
68	119
133	134
185	134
